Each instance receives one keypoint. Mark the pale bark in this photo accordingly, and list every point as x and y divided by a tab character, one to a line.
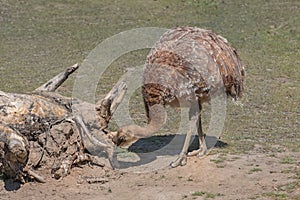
42	130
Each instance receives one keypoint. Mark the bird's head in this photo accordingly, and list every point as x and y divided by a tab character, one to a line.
125	136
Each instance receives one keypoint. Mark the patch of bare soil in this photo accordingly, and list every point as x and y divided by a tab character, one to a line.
247	176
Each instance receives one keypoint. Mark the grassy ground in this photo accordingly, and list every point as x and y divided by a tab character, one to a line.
40	38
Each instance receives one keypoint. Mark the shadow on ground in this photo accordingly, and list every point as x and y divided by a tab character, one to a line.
149	149
11	185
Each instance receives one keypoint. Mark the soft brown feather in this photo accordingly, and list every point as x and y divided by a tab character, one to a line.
190	62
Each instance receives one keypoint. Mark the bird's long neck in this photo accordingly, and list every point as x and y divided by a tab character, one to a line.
157	119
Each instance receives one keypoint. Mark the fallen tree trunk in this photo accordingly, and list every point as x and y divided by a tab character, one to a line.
47	131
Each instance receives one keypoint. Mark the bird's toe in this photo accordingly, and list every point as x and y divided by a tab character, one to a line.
199	152
180	161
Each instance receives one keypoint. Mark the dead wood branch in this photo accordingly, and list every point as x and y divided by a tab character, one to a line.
106	107
89	142
56	81
34	175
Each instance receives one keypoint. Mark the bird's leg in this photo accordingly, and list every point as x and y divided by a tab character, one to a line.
202	144
157	116
182	158
147	110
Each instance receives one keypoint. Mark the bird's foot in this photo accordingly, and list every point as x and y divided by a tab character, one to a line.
114	164
180	161
199	152
112	157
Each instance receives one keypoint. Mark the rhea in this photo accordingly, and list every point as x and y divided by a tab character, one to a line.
184	68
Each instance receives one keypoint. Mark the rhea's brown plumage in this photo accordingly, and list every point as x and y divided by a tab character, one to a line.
184	68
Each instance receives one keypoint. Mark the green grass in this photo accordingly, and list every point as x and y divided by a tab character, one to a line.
198	193
276	195
190	179
207	195
297	175
255	169
295	181
218	160
287	160
290	187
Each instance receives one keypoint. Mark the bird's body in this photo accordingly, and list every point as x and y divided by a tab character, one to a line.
184	68
187	62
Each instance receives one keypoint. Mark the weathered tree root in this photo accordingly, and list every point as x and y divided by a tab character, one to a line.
44	131
34	175
56	81
14	152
